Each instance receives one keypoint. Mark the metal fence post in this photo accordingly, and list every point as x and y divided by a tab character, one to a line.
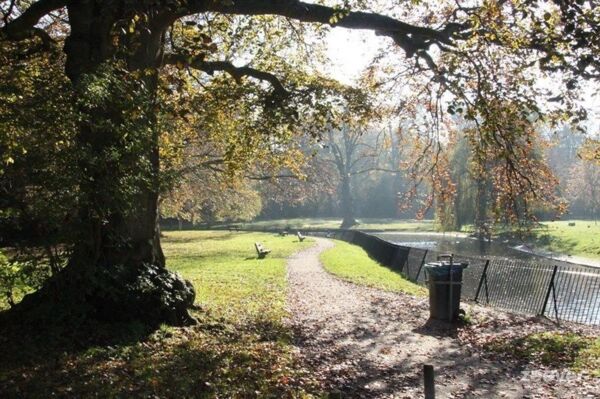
555	304
550	288
420	267
401	254
483	276
404	263
516	285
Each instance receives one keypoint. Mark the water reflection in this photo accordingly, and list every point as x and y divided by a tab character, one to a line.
456	244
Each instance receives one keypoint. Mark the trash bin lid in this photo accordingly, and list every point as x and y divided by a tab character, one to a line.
446	264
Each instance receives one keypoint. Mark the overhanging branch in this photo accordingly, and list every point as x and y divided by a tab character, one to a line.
383	170
271	177
237	73
23	27
410	37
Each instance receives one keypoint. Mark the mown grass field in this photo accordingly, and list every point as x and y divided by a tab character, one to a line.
352	263
582	239
334	223
239	349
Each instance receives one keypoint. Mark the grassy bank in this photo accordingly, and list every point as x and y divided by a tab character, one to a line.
334	223
239	349
553	349
352	263
582	239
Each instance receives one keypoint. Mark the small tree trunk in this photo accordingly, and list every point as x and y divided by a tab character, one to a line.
347	203
481	226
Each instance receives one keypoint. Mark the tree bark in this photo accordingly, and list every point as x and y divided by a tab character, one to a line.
117	271
347	203
481	224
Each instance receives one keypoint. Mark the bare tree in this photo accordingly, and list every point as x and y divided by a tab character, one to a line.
354	152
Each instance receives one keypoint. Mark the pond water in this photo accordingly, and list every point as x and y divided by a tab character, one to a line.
463	245
453	243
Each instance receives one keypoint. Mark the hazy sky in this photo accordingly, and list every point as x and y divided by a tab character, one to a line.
351	51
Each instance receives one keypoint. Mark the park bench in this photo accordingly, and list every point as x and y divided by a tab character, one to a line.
300	236
260	250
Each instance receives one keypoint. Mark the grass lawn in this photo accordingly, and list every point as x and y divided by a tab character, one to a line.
583	239
577	352
239	349
334	223
352	263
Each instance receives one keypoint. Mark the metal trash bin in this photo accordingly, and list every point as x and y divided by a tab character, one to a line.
445	281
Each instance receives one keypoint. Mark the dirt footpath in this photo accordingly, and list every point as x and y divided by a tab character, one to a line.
365	342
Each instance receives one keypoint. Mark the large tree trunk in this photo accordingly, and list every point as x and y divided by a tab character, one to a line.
117	271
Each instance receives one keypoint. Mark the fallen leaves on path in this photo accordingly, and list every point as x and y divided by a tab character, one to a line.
368	343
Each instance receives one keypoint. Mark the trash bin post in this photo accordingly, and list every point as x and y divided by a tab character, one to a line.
428	379
450	313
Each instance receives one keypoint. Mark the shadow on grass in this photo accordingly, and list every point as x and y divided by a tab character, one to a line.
552	349
221	236
212	359
36	360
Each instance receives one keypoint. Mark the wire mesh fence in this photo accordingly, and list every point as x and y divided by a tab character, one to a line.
559	290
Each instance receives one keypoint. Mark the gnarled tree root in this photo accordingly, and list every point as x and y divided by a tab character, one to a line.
145	293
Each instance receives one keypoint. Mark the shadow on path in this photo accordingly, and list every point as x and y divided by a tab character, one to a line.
373	344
